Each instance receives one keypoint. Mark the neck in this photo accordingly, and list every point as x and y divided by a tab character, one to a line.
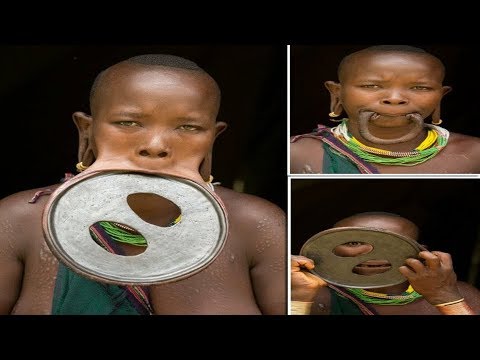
391	290
388	133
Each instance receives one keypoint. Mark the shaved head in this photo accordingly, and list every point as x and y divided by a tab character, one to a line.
382	220
348	60
149	61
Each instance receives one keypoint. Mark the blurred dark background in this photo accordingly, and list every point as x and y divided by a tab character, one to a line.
312	65
445	210
42	85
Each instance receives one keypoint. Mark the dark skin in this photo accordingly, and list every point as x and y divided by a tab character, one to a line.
159	120
434	278
387	88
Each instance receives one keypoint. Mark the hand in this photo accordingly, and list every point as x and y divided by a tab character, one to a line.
434	279
304	284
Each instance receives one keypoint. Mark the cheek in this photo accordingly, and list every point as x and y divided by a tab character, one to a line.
199	141
354	97
193	146
429	101
111	140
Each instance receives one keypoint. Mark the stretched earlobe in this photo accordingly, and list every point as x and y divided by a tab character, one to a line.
336	108
436	116
205	168
436	120
86	152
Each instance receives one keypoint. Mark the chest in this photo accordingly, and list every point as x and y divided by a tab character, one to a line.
39	281
419	307
443	163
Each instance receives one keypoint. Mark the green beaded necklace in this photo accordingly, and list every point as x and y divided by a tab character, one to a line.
414	158
123	234
370	297
127	235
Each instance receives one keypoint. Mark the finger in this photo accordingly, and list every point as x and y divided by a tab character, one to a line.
432	261
445	258
317	279
415	265
406	271
307	169
298	261
422	247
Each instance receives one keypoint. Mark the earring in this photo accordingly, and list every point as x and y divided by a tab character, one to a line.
334	115
80	167
438	122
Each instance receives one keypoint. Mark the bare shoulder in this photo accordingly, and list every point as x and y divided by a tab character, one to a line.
306	155
465	145
248	208
471	295
19	213
24	203
464	141
460	156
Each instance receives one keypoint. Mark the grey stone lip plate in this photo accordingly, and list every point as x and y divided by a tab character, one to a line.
173	253
338	270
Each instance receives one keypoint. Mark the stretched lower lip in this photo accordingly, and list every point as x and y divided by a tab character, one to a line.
371	269
377	115
371	266
366	116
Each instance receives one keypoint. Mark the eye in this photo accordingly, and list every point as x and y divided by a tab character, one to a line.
353	243
127	123
189	127
420	87
370	86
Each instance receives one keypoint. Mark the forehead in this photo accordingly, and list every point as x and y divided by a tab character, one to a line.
402	63
149	89
136	77
394	224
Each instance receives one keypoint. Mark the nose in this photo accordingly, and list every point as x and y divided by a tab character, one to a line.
155	147
394	97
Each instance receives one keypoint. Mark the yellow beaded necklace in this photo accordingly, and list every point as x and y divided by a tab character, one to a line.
371	297
436	140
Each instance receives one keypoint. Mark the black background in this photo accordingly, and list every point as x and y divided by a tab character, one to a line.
445	210
43	84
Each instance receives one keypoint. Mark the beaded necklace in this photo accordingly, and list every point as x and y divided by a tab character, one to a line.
371	297
435	141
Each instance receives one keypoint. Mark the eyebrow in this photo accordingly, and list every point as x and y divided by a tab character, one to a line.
129	114
191	118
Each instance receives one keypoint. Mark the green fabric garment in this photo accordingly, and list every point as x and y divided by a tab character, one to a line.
76	295
335	163
342	306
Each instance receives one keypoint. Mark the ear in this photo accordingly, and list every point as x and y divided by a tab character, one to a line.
220	127
206	165
436	115
86	147
446	90
334	90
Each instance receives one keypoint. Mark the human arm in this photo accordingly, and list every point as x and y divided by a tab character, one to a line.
262	228
306	156
14	229
436	281
304	285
